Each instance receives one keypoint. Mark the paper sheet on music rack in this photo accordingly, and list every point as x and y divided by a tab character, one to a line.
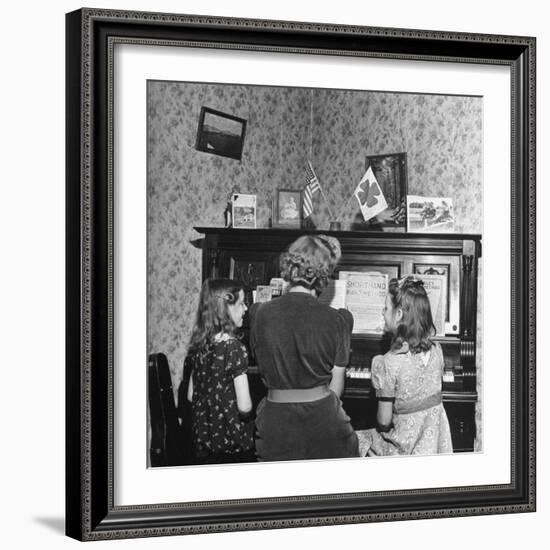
436	289
365	299
334	295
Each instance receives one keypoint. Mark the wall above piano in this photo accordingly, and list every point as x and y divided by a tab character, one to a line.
336	129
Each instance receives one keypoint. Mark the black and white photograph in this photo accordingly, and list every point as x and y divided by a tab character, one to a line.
287	210
242	372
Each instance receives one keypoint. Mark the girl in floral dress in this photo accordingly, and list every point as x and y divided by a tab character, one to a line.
216	365
407	379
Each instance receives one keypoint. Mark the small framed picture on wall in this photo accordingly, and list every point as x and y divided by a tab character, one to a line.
220	133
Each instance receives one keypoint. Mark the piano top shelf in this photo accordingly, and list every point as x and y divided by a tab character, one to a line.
354	234
354	242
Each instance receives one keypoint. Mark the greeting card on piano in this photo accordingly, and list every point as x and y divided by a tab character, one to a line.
263	293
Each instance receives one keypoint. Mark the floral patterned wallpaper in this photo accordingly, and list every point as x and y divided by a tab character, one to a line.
442	136
335	129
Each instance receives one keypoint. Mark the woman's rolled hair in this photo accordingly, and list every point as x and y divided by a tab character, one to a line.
309	261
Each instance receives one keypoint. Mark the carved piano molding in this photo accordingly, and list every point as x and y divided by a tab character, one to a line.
254	254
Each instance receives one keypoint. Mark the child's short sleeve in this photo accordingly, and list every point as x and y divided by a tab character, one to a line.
440	357
237	358
383	377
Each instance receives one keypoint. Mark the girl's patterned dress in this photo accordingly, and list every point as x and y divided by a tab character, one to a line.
420	424
217	426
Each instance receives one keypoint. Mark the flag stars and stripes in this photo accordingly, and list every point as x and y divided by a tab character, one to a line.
310	189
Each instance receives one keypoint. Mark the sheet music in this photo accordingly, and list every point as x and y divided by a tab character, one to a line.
334	295
436	289
365	299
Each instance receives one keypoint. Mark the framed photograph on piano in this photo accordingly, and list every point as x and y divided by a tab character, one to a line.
287	209
143	209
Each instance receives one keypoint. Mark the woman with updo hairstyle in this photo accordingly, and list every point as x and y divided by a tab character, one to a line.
302	348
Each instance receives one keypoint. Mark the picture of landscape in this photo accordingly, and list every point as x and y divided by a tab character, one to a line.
220	133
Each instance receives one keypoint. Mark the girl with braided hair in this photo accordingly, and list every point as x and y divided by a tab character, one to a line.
407	379
302	348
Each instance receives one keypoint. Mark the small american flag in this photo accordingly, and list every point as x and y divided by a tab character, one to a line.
310	189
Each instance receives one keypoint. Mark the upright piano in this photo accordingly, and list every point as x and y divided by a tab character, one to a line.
251	256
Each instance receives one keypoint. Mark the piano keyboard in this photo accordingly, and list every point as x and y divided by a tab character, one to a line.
361	373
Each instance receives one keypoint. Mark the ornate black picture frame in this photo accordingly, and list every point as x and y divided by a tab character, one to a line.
390	171
91	512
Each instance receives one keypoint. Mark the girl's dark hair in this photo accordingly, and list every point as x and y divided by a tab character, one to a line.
310	260
213	314
416	326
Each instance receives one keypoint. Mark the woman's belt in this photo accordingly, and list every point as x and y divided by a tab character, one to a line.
301	395
417	405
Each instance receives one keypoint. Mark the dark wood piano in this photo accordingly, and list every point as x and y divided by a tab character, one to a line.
251	256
